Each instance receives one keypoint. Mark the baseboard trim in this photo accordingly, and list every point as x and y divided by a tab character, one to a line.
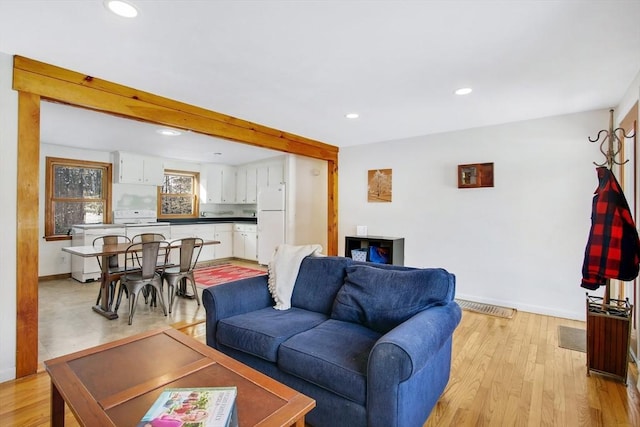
54	277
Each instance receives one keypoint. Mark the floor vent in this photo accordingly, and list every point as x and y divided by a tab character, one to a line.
493	310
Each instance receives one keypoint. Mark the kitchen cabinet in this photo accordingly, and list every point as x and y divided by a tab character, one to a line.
229	184
246	184
220	184
276	175
223	234
87	269
245	241
262	177
252	189
204	231
219	232
241	185
269	176
133	168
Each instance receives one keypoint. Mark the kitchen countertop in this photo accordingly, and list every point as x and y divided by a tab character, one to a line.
181	221
96	226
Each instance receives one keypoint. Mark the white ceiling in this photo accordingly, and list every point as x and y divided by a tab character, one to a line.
300	66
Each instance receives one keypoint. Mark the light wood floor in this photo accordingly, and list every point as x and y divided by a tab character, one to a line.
511	372
505	373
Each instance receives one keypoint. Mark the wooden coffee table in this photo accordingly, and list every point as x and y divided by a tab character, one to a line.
115	384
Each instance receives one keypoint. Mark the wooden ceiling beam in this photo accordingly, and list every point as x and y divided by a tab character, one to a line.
59	84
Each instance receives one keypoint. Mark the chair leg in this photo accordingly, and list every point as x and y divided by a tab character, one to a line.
151	291
112	293
132	305
170	292
157	291
145	292
121	289
193	286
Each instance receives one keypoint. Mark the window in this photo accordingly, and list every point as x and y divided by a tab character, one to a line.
178	196
77	192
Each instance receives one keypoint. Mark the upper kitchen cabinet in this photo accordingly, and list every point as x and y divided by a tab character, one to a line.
271	175
133	168
275	174
246	184
241	184
220	183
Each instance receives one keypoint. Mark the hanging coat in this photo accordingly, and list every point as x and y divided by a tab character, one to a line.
613	248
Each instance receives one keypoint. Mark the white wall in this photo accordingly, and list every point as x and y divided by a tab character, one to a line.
8	218
520	244
307	201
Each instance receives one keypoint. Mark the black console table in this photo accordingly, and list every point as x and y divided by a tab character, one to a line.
392	246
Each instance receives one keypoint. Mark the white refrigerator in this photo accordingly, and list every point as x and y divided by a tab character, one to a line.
271	221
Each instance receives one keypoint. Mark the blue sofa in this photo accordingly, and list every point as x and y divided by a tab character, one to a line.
371	343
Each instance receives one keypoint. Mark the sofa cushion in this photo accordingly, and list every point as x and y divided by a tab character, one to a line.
261	332
318	282
381	299
333	355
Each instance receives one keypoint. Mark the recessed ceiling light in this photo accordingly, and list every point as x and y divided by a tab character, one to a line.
121	8
168	132
352	115
464	91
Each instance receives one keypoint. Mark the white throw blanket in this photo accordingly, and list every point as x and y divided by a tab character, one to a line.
283	271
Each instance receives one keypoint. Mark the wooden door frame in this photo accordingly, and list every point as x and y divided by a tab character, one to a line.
36	81
629	124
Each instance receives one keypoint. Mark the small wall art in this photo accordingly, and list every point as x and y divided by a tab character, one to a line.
475	175
379	185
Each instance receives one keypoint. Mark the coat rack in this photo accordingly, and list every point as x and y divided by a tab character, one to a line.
613	147
608	353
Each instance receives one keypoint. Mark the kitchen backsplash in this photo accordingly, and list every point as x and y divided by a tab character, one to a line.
214	210
132	196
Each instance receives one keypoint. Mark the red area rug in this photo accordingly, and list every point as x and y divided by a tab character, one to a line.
216	275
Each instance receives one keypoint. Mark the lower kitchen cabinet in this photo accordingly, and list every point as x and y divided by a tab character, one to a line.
223	234
204	231
245	241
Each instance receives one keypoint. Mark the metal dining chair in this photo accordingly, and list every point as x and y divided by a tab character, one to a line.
137	278
114	270
150	237
177	276
147	237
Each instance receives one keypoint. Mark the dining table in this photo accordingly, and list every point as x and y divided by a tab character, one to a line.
106	251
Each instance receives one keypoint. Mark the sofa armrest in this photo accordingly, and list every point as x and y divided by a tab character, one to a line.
233	298
401	360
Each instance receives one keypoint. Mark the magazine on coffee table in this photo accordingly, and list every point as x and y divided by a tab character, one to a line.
193	407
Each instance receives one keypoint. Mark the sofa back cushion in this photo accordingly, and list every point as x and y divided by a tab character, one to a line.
318	282
382	298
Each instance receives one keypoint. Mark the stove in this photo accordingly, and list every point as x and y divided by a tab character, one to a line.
138	221
135	216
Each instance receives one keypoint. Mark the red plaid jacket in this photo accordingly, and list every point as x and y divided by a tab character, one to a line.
613	248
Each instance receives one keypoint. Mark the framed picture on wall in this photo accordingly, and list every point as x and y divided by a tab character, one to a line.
475	175
379	185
